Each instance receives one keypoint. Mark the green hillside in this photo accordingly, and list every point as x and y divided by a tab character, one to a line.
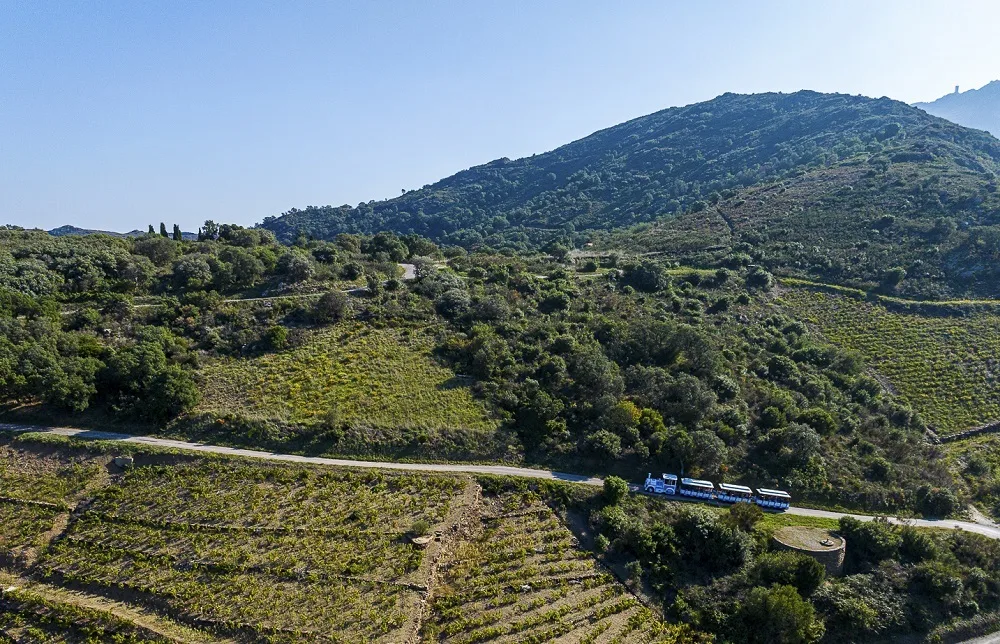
854	223
671	162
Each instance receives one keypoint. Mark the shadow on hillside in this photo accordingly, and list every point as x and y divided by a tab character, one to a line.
456	382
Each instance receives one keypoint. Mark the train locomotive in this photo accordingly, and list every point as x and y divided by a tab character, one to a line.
700	490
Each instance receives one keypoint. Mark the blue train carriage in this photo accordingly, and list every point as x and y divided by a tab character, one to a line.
665	484
697	489
730	493
773	499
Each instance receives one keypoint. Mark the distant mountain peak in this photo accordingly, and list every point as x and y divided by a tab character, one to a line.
975	108
63	231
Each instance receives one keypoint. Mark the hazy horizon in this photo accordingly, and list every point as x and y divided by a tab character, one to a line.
121	116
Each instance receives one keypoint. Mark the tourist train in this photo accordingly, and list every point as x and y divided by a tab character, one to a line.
698	489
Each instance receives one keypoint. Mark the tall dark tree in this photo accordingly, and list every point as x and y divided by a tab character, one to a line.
163	230
151	231
211	229
177	233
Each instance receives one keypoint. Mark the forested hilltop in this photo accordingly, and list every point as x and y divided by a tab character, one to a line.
863	171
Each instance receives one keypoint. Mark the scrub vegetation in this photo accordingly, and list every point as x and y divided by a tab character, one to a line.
717	572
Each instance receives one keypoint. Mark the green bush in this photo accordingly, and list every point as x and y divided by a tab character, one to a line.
936	501
789	569
276	337
615	490
870	541
776	615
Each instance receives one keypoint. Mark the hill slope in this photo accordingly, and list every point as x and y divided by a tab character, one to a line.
976	108
673	161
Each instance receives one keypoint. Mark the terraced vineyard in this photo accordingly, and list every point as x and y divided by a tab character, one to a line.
28	617
520	577
947	368
208	549
378	377
288	553
34	493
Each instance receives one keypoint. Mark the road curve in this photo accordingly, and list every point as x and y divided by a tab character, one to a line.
991	531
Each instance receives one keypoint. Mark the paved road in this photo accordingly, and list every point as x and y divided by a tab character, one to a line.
992	531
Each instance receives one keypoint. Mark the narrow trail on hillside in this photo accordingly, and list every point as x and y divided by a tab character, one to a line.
990	531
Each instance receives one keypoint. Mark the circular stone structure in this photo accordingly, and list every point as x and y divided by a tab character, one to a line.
822	545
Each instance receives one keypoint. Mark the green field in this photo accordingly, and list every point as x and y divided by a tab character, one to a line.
946	367
374	377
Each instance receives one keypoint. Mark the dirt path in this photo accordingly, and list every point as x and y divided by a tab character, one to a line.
464	510
992	532
141	618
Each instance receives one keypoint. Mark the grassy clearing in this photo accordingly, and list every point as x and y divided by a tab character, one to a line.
376	377
772	522
520	577
947	368
281	552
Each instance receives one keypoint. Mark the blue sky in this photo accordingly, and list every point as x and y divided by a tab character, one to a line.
117	114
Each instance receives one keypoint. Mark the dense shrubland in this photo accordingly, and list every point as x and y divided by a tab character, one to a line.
612	365
713	570
637	369
847	189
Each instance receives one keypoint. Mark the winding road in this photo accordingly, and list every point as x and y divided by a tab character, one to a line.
990	530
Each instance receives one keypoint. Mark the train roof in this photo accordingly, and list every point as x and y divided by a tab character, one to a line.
669	477
698	483
768	492
729	487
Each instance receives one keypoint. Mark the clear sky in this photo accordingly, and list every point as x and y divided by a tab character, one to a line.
116	114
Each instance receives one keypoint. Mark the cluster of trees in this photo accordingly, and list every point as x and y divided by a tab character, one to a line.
71	337
63	360
721	577
640	370
226	259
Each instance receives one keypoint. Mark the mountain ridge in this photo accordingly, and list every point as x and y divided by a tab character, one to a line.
661	164
975	108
